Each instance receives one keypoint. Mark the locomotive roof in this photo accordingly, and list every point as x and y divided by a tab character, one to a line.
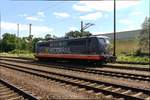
57	39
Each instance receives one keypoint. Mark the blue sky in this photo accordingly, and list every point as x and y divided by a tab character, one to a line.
59	17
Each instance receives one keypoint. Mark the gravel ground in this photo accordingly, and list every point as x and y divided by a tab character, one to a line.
47	89
125	71
139	84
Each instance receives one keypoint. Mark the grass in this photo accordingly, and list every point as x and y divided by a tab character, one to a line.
126	49
133	59
28	55
126	46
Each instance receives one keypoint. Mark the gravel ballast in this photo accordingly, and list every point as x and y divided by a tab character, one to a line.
46	89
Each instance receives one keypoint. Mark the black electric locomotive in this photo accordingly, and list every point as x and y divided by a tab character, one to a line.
92	48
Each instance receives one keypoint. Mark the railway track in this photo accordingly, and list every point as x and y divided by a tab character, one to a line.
124	62
119	62
117	91
11	92
102	72
98	72
107	66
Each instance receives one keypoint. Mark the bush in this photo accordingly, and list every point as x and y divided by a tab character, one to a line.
133	59
138	52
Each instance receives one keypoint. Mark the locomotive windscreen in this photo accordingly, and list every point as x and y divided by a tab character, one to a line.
105	45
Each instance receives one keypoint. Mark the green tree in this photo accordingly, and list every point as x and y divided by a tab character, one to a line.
34	41
9	42
76	34
48	36
24	44
144	35
1	45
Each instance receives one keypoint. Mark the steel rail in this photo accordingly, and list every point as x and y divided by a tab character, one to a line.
140	63
18	91
120	62
127	97
103	72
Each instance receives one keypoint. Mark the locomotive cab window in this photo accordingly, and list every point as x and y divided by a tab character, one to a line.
102	41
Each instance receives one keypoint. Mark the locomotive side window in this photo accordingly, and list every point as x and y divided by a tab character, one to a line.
64	43
92	48
76	42
50	44
77	46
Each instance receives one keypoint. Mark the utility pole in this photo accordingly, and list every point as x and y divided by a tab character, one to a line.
81	27
30	37
114	51
18	44
18	30
30	29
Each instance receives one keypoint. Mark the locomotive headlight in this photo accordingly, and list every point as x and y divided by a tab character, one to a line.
107	41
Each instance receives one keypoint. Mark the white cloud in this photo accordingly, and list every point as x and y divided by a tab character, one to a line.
88	6
37	17
61	14
137	13
23	15
125	21
129	25
92	16
36	30
32	18
41	14
72	28
8	26
81	8
106	15
40	30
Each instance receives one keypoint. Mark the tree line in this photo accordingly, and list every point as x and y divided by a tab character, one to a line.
12	43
